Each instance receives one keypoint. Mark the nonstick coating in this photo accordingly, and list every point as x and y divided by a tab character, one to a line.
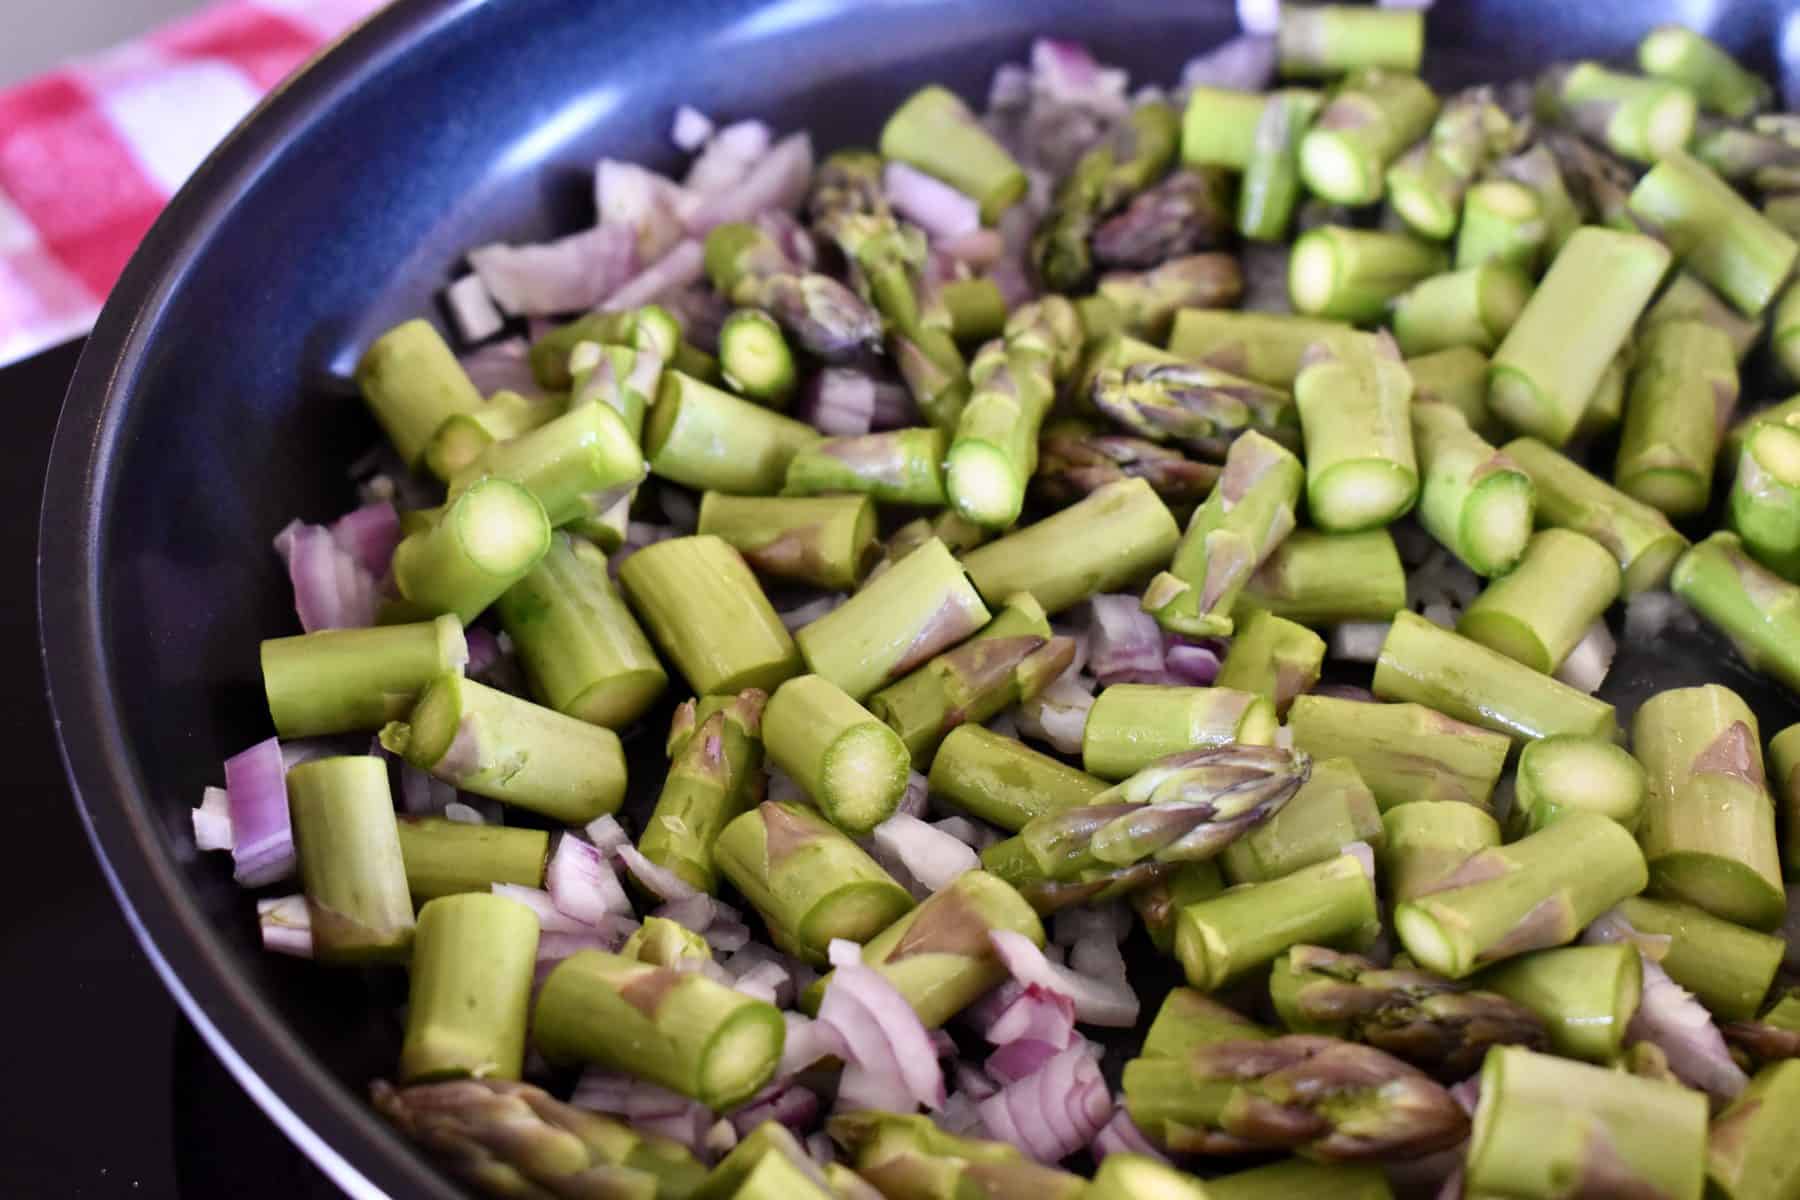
212	402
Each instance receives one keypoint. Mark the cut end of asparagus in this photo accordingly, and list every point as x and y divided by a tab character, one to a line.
1516	400
865	776
1595	775
855	913
1312	273
1676	491
1650	569
1333	167
1776	449
501	526
618	699
1670	122
1498	523
1732	890
741	1058
425	738
1427	942
1360	495
983	485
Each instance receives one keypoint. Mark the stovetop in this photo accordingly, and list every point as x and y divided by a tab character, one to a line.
113	1094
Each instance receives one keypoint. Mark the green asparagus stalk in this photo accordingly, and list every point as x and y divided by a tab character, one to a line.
1560	775
479	545
848	181
1333	39
581	647
623	378
1102	180
825	541
512	1139
1125	1176
809	882
651	328
1203	409
1535	893
1683	391
1158	902
1786	412
1426	841
755	358
939	956
1188	1020
1686	298
1606	406
1783	212
778	1177
1263	347
976	306
1600	182
1144	302
350	864
445	857
1546	1126
902	466
1355	274
994	452
1075	460
748	267
1004	782
1701	65
1455	378
1472	306
910	1158
1318	578
1115	536
1640	538
471	989
1131	725
1189	209
1219	127
1246	517
1756	610
1274	658
1536	168
1354	403
1750	1149
1474	499
956	534
705	438
1463	679
852	765
1538	611
1403	752
465	436
675	1028
1764	505
715	755
1296	1179
1502	222
768	1143
578	465
1784	331
1372	117
1330	903
709	615
662	943
1642	119
1727	967
340	680
1586	995
1440	1026
1011	660
1716	233
1784	766
1556	351
935	132
413	384
1770	1037
1332	809
916	608
1271	183
1426	191
1708	828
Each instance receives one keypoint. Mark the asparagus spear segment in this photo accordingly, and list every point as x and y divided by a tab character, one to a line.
1248	514
853	766
1784	768
1606	405
1101	180
582	649
1332	809
1143	303
1750	1152
1586	995
1545	1127
749	267
1189	1019
1296	1179
494	744
709	615
1536	167
479	545
675	1028
1474	500
1471	306
1219	127
1075	460
902	466
976	306
1758	611
1559	775
1115	536
809	882
1125	1176
1683	391
662	943
1533	894
1200	408
913	610
1005	782
715	752
339	680
1686	298
1641	539
701	437
1317	578
445	857
1701	65
1131	725
1764	506
1370	119
465	436
770	1142
1716	233
1784	331
1642	119
351	868
994	453
1426	841
1274	658
1354	274
578	465
1159	902
1463	679
1727	967
1330	903
413	384
1271	183
825	541
1538	611
1355	401
755	358
1709	827
1333	39
1264	347
1502	222
935	132
1556	351
471	989
1403	752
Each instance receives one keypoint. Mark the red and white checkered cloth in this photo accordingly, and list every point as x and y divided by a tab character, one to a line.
90	153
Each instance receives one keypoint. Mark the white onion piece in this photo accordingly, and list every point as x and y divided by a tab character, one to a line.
1440	614
369	535
766	981
976	836
1070	925
960	1116
1670	1018
1098	957
683	266
807	1042
286	925
262	849
581	883
728	157
978	249
879	1028
1097	1002
570	274
472	310
553	947
212	821
1122	1136
812	610
463	814
727	937
1586	667
1057	715
1124	642
694	913
606	833
1245	63
1357	641
861	1089
930	203
659	881
932	856
1054	1111
779	180
551	919
690	129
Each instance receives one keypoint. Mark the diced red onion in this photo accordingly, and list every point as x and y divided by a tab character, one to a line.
1070	925
464	814
978	249
683	266
642	203
727	937
502	367
423	794
972	1081
1097	1002
262	848
1057	715
484	650
728	157
1189	664
212	820
1123	639
846	402
807	1042
331	589
581	883
779	180
1670	1018
571	274
861	1089
981	1015
1063	67
606	833
1586	667
622	1095
551	919
972	834
961	1116
1357	641
821	1148
690	129
1122	1136
932	856
1038	1014
782	1101
694	913
766	981
879	1028
554	945
1054	1111
286	924
812	610
1245	63
1467	1093
472	310
1019	1059
659	881
931	204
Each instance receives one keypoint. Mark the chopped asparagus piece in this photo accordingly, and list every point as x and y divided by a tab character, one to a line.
471	970
1586	995
709	615
1406	753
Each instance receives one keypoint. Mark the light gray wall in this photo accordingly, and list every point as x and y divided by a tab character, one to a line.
37	34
